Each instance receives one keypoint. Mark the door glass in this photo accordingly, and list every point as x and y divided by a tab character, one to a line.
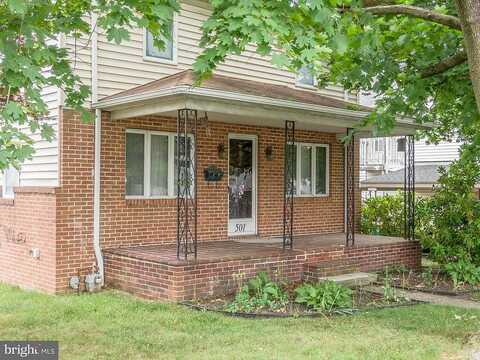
240	179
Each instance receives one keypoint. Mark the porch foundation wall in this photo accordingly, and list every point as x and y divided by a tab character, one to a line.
156	280
153	280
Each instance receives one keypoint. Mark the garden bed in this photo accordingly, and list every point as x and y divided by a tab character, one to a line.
269	300
428	280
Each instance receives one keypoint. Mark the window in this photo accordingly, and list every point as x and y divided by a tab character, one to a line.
311	162
305	77
10	180
150	164
168	54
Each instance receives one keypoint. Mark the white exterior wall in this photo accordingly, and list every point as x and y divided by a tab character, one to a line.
121	67
42	169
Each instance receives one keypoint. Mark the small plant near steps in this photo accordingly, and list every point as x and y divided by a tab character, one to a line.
261	296
324	296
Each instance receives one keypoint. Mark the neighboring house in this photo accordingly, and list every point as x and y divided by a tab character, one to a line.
100	203
382	165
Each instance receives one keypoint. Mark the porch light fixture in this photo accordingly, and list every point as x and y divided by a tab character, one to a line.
269	152
221	151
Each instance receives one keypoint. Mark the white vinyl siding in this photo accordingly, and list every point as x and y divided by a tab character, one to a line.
42	168
121	67
444	152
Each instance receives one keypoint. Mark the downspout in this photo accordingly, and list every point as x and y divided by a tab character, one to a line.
97	161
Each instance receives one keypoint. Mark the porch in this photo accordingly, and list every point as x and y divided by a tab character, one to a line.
155	272
237	159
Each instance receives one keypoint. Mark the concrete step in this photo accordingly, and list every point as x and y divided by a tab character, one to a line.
352	279
313	271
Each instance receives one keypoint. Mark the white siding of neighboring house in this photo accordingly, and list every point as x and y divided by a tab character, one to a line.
444	152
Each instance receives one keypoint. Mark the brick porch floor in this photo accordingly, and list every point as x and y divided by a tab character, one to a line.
153	271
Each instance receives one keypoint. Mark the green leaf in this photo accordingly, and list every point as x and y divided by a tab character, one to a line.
18	6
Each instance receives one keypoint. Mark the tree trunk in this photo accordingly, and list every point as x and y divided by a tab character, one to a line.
469	14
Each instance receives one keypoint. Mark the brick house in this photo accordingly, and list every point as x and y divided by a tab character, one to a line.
177	191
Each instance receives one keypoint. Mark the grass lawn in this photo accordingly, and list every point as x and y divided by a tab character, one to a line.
111	325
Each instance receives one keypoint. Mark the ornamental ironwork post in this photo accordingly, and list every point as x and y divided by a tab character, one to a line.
409	188
186	186
350	190
289	184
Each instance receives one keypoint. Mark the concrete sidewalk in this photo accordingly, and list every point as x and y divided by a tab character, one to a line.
431	298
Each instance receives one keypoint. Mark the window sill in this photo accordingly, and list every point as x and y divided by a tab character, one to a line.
154	59
306	87
150	201
307	196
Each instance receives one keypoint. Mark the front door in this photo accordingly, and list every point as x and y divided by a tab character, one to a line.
242	185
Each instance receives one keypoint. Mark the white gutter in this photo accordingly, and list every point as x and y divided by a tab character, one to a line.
97	161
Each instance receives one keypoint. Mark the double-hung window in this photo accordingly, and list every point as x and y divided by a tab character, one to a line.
150	164
166	55
312	169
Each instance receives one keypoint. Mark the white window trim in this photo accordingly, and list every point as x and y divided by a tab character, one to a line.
147	165
4	185
174	60
314	169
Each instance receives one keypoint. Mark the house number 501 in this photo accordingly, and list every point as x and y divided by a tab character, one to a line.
240	227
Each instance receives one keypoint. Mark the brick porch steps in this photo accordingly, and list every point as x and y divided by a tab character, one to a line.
314	271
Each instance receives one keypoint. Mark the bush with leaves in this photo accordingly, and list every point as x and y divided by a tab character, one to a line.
454	240
384	215
325	296
260	293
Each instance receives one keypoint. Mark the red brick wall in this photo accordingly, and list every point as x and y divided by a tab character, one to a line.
74	244
154	280
130	222
28	222
127	222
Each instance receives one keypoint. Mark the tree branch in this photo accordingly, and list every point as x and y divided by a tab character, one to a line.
445	64
415	11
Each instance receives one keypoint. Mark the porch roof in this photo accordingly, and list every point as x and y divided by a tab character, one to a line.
241	101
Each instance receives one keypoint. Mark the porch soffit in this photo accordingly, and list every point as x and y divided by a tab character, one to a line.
234	100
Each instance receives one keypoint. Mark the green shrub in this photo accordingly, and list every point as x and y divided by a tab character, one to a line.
324	296
384	215
259	293
447	224
454	239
